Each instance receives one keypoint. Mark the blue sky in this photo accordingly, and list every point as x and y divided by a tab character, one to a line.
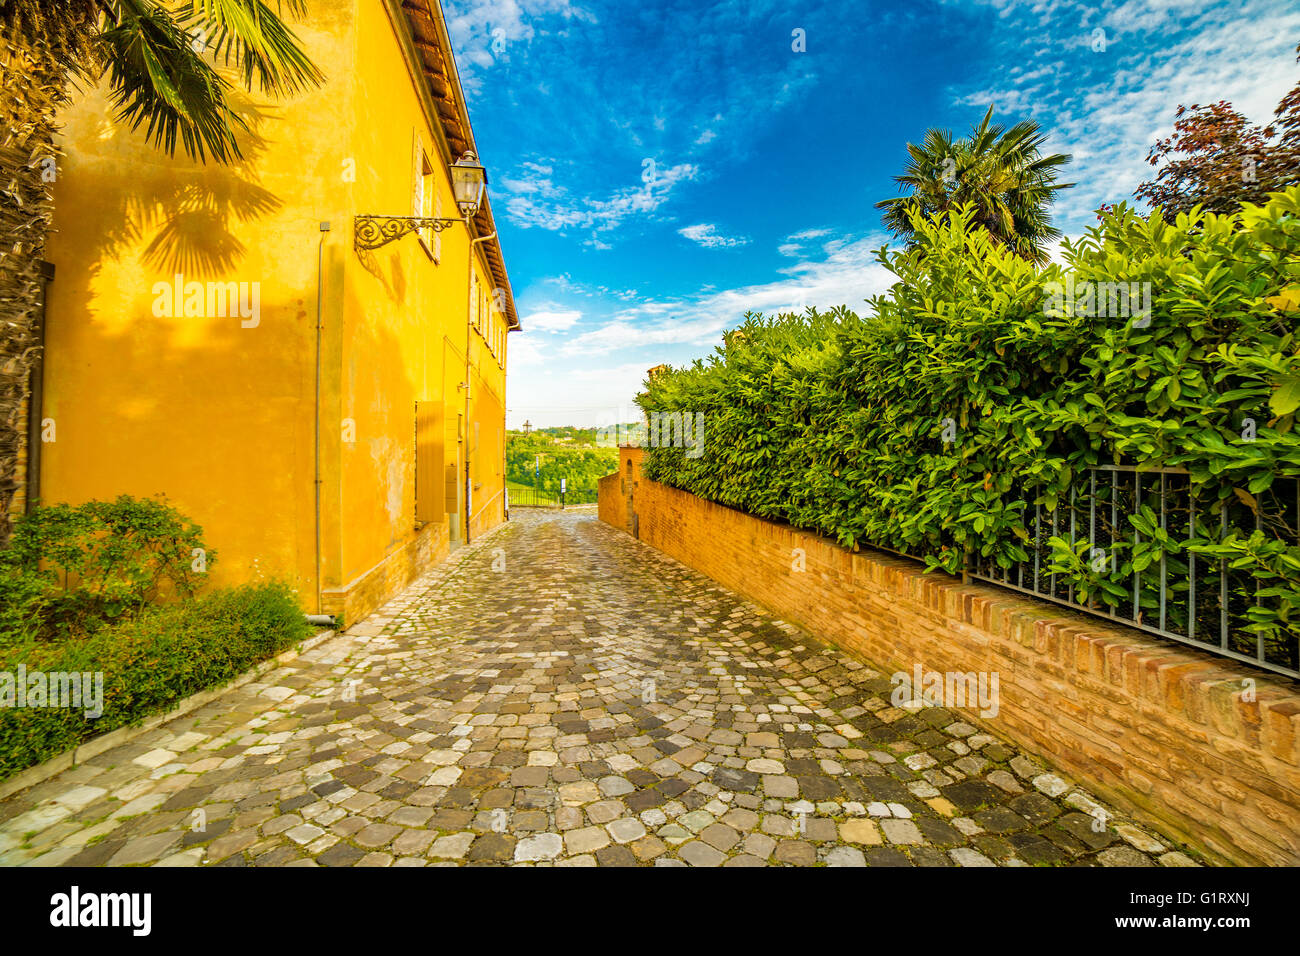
659	168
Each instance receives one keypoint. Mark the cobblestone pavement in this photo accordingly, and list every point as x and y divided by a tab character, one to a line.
560	694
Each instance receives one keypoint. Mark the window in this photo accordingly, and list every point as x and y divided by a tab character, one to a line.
437	211
425	198
473	299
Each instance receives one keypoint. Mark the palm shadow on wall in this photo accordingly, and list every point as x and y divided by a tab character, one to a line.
183	210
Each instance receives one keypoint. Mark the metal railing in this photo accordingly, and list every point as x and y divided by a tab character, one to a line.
1186	597
535	498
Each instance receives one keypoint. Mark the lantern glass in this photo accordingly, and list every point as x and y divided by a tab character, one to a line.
468	180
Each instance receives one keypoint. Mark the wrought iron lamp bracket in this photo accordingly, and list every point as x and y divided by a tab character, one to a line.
372	232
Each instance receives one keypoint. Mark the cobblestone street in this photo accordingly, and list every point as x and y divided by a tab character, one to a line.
558	693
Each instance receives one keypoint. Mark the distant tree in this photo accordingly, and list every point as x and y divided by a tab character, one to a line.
1000	171
1218	159
563	452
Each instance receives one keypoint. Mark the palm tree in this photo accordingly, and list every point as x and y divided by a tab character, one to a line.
1000	172
161	62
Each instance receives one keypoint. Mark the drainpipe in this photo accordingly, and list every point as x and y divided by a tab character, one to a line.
469	334
36	395
320	618
505	509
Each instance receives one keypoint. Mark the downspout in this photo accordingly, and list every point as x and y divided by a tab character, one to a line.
319	617
469	333
36	396
505	501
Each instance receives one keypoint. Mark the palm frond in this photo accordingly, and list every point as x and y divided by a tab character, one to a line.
254	37
999	173
157	78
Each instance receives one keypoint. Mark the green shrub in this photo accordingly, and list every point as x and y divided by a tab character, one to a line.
836	423
77	567
149	663
24	600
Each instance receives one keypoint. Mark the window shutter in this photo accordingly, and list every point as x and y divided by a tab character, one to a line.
430	493
437	211
417	176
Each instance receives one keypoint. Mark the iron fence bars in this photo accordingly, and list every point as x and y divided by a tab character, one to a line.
537	498
533	498
1198	600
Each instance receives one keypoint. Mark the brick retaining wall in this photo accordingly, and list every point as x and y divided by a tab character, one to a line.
1157	728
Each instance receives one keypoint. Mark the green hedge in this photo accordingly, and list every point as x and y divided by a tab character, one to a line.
70	569
836	422
149	663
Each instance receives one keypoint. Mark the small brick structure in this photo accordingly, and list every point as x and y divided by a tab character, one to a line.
1160	729
615	492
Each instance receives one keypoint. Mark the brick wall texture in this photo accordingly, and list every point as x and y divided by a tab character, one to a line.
1158	728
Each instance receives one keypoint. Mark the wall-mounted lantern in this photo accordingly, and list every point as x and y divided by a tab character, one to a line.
468	181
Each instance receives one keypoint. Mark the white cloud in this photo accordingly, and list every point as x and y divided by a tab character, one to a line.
483	31
848	275
1107	107
549	320
585	396
793	245
524	352
607	105
706	234
592	378
535	200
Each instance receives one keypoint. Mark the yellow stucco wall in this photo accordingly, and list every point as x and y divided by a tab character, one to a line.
217	412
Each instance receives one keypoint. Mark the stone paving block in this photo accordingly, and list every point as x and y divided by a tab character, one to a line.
1123	856
845	856
796	852
586	840
453	846
543	846
626	829
860	831
965	856
697	853
901	831
145	849
509	738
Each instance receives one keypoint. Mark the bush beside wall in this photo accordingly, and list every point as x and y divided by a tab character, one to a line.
978	389
149	663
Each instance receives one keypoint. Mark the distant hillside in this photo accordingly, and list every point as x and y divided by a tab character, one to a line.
564	451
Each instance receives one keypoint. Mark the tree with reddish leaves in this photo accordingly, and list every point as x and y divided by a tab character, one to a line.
1218	159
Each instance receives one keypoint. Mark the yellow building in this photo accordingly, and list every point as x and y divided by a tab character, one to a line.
222	335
